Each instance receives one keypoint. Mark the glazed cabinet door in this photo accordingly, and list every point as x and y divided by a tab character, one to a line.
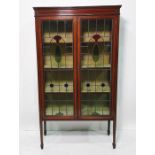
94	69
59	68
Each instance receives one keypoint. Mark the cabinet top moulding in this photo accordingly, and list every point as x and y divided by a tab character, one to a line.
84	10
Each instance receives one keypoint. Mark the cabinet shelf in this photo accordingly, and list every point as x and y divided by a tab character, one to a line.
97	91
95	68
57	69
92	42
48	44
82	68
62	91
83	43
58	92
84	92
94	92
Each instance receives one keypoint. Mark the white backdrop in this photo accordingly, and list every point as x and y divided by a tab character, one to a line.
29	117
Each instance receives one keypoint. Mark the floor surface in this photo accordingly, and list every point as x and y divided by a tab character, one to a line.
77	143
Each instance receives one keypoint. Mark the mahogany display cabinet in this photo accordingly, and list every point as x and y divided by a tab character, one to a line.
77	53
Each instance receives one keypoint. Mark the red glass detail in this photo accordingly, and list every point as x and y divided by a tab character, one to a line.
57	38
96	37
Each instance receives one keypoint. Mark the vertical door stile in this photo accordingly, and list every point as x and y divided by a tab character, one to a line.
113	71
75	65
78	68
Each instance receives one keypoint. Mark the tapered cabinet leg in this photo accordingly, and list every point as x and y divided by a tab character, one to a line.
108	130
41	135
114	134
45	129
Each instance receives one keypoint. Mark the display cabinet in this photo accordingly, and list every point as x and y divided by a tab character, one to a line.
77	52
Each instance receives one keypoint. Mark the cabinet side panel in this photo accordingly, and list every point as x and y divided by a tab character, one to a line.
114	66
40	68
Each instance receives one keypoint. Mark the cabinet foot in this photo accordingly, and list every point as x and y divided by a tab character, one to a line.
42	146
114	145
114	134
